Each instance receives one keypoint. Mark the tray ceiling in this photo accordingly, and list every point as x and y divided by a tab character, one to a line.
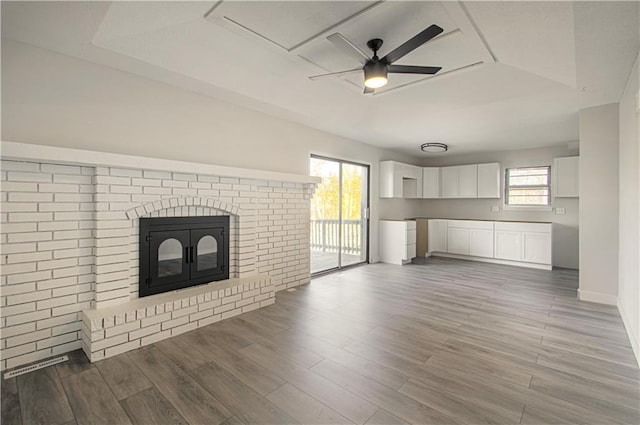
514	73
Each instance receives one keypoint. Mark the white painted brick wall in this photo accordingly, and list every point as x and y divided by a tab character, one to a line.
47	248
68	244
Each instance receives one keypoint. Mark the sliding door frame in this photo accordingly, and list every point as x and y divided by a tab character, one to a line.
367	213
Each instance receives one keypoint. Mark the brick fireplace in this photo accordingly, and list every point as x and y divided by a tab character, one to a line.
70	248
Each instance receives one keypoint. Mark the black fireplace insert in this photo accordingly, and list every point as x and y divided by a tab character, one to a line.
179	252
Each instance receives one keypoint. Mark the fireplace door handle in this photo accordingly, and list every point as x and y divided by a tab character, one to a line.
186	254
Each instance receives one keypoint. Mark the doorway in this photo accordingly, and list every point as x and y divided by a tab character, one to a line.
339	214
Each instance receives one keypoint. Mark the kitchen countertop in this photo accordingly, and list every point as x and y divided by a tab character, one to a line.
479	219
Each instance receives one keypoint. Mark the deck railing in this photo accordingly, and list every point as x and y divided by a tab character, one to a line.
325	236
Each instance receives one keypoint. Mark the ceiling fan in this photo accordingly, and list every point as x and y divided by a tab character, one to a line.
376	69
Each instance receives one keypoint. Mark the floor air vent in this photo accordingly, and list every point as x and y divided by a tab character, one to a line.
36	366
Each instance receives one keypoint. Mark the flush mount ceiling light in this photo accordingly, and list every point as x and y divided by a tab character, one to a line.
434	147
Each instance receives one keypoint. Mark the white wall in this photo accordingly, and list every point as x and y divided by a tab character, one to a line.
52	99
629	214
599	202
565	236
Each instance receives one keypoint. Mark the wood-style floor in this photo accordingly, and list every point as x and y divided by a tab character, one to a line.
442	342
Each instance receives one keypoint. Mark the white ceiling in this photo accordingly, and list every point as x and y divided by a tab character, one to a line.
514	73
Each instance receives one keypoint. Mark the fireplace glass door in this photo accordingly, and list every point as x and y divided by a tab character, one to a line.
183	251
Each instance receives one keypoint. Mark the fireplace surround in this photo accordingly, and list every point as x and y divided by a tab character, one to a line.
70	272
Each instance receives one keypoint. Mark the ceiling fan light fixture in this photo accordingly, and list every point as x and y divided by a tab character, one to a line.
434	147
375	75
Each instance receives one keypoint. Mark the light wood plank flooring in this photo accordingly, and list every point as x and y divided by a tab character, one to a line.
439	342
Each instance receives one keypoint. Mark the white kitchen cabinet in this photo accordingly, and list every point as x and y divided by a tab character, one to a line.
508	245
458	241
536	247
468	181
437	235
449	176
566	177
460	181
397	241
481	243
430	182
527	242
398	180
489	180
467	237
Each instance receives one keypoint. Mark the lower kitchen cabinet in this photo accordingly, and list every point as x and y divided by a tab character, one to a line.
467	237
528	242
517	243
397	241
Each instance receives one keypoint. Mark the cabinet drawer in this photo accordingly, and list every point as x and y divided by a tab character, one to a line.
411	224
411	251
411	236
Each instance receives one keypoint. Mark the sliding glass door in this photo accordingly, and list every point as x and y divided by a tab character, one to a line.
339	214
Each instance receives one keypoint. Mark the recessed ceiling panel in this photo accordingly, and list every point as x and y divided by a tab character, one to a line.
128	18
537	37
287	23
395	23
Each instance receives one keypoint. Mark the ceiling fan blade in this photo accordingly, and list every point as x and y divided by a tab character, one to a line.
413	43
368	90
408	69
335	74
348	48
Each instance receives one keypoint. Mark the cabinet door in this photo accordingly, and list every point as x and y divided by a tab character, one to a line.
386	177
430	182
537	247
508	245
567	177
449	176
410	252
468	181
458	241
489	180
481	243
437	236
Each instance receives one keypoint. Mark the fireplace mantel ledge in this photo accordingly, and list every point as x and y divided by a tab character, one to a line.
60	155
167	297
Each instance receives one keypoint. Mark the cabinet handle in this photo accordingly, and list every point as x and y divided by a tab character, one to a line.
192	254
186	254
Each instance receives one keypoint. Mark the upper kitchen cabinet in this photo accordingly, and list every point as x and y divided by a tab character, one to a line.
430	182
489	180
460	181
566	177
398	180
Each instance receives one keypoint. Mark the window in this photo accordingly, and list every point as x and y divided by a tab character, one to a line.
528	186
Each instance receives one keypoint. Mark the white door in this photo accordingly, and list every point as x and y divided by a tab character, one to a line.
458	241
481	243
468	181
449	176
437	236
489	180
508	245
536	248
431	182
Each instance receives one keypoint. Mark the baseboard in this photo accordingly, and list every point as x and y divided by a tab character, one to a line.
490	260
633	339
597	297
